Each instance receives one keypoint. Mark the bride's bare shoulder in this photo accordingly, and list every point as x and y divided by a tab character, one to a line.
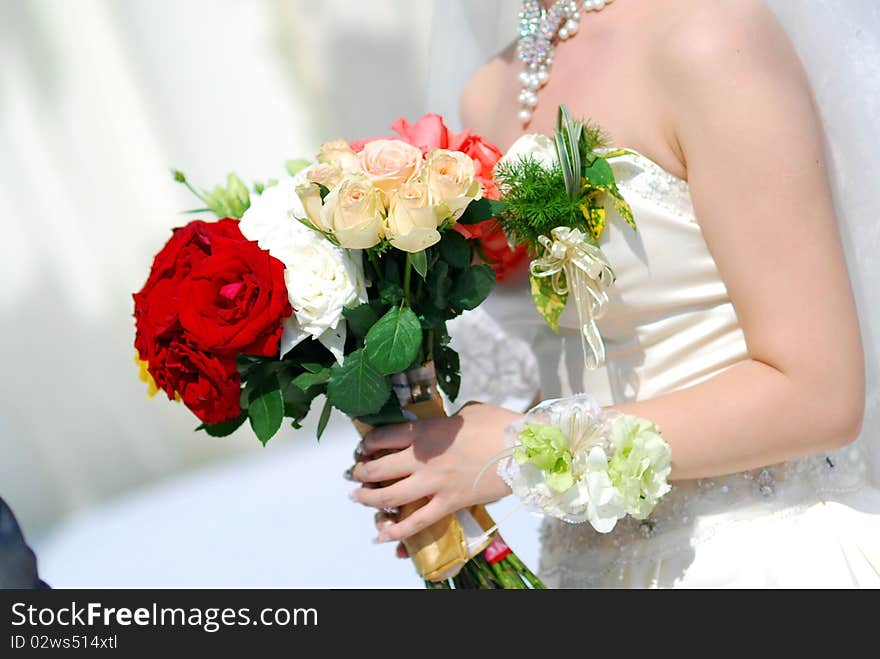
484	90
700	35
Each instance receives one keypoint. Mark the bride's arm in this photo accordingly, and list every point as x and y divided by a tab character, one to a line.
752	140
742	114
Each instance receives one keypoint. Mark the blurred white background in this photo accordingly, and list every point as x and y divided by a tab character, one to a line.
98	98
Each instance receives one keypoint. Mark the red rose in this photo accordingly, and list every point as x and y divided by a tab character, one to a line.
211	294
235	300
189	246
209	385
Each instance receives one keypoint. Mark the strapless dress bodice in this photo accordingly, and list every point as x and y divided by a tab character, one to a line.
670	324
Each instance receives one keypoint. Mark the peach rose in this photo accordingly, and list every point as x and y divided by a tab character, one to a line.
389	163
412	218
354	212
325	174
339	153
450	179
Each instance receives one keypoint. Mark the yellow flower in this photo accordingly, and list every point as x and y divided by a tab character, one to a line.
144	375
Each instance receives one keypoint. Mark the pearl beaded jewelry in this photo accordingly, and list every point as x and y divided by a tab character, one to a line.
539	30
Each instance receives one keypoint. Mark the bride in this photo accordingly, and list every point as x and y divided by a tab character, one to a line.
732	323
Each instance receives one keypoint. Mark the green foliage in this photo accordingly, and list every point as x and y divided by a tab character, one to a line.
362	317
296	165
265	413
231	201
306	380
324	418
419	261
547	301
356	387
390	413
224	428
447	364
472	287
481	210
568	139
537	201
392	344
455	250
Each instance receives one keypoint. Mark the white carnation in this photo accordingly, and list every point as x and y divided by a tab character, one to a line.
322	279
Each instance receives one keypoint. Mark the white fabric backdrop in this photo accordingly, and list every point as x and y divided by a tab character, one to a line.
98	98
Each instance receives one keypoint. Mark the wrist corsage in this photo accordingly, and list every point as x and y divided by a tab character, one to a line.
575	461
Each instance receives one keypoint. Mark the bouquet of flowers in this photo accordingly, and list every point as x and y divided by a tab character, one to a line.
337	281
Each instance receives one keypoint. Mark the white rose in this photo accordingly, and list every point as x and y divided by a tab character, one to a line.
538	148
322	279
412	219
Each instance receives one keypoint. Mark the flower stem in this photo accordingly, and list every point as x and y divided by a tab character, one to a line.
407	275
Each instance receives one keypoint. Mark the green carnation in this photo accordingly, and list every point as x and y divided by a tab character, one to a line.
547	448
640	464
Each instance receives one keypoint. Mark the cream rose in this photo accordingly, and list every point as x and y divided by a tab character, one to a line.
412	218
449	176
339	153
354	212
324	174
539	148
310	198
389	163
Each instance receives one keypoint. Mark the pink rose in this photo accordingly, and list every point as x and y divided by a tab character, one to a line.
429	132
389	163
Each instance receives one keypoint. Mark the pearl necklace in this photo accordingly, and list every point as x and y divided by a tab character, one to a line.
539	28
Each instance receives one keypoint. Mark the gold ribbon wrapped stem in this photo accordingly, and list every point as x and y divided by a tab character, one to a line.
578	268
442	549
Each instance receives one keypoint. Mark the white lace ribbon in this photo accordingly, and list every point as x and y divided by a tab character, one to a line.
579	268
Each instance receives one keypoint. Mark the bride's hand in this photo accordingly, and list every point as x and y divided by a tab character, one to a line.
438	459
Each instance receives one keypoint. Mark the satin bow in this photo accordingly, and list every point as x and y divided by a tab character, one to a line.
578	267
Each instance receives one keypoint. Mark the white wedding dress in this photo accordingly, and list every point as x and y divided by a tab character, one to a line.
670	324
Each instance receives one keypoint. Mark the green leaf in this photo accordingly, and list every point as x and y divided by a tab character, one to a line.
360	319
266	412
296	165
393	343
312	367
223	428
599	174
623	208
306	380
547	301
447	364
297	402
419	261
472	287
568	136
439	285
324	418
390	413
455	250
355	387
481	210
390	292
